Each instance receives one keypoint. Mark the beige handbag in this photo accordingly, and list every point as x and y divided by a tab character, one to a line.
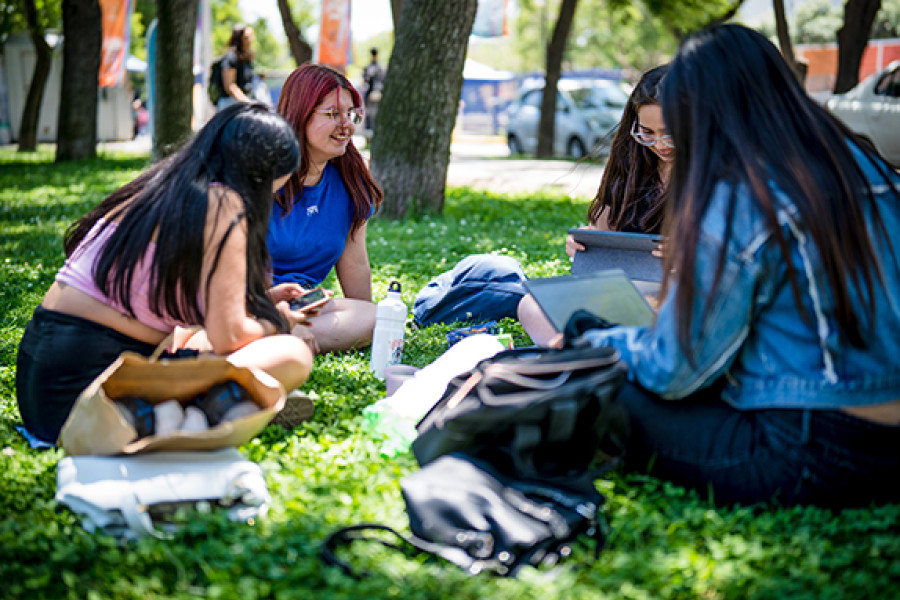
96	426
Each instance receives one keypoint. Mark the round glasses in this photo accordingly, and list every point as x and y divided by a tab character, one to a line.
650	140
354	115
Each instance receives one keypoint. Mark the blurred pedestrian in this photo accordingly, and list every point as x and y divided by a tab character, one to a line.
237	67
373	76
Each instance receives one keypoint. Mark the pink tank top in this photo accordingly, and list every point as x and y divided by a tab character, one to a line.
78	272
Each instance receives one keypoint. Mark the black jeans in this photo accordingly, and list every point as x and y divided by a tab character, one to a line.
822	457
59	355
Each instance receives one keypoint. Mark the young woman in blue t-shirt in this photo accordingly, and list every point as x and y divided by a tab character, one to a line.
319	221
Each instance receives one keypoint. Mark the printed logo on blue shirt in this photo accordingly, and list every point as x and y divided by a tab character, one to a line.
312	210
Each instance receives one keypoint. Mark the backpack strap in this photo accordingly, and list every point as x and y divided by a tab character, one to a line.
410	546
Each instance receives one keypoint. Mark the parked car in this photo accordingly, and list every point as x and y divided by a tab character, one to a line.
872	110
587	110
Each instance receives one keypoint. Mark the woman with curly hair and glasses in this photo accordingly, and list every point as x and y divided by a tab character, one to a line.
319	221
630	196
181	245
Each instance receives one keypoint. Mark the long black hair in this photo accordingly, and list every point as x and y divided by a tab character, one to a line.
630	186
737	114
244	147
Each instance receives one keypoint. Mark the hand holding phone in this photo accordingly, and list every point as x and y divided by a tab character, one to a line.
309	301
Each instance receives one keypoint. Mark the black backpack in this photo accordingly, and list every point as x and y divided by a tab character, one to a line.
533	413
216	88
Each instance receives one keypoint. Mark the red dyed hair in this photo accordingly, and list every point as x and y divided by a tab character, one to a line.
303	91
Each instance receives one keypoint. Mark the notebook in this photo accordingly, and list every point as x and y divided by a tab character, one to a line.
630	252
609	294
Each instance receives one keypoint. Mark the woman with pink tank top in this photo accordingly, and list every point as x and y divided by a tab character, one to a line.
184	244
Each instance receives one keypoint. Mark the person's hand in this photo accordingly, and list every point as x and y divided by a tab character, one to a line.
660	251
285	292
572	246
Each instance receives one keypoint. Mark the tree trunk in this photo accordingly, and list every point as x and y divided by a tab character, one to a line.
411	141
300	49
396	7
852	38
555	51
176	20
43	57
784	38
77	123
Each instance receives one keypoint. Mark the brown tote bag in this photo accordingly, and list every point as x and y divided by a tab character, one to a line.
95	425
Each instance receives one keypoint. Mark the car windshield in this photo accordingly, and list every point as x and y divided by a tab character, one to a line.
610	96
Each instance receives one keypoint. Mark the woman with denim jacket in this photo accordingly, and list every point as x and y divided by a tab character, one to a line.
772	372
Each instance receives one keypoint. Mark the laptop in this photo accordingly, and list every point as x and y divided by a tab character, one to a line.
609	294
630	252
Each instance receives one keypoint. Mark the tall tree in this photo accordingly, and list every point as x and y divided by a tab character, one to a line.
411	141
300	48
174	74
852	39
43	59
784	40
554	56
396	8
77	123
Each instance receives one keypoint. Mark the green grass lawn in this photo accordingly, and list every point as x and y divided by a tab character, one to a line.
664	542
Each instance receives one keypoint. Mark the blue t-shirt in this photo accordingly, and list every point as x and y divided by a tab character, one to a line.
306	243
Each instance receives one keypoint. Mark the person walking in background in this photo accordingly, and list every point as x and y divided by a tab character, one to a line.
319	221
632	188
181	245
237	67
771	372
373	76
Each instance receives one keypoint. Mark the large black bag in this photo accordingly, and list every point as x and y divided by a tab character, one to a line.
532	413
466	512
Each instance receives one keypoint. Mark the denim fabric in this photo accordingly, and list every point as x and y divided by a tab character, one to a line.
751	331
481	287
821	457
59	355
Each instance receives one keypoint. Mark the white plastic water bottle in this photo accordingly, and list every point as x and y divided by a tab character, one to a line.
390	325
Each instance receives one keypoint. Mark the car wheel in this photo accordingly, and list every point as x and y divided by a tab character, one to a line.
575	148
515	146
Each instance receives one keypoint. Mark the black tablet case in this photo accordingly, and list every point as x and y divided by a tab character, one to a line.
630	252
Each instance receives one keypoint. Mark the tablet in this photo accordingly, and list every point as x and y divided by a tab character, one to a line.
630	252
609	294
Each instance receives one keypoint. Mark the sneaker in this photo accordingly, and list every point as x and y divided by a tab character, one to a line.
297	408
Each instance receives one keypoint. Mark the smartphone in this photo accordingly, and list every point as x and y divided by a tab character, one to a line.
312	299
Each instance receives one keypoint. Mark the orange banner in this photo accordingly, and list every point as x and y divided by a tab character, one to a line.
116	29
334	33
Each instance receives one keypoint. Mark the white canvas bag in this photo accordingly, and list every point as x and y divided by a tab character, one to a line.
120	494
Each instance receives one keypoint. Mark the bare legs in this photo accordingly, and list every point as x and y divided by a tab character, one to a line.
535	323
285	357
342	324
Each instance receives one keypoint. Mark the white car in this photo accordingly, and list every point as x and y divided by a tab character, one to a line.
872	110
587	110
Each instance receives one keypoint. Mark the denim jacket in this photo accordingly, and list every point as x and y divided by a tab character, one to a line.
771	355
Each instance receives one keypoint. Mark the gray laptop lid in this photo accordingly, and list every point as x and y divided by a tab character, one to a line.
608	294
630	252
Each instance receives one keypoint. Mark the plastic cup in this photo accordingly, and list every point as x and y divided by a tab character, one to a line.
397	375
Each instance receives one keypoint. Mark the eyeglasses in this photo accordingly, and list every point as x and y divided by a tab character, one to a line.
649	140
354	115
